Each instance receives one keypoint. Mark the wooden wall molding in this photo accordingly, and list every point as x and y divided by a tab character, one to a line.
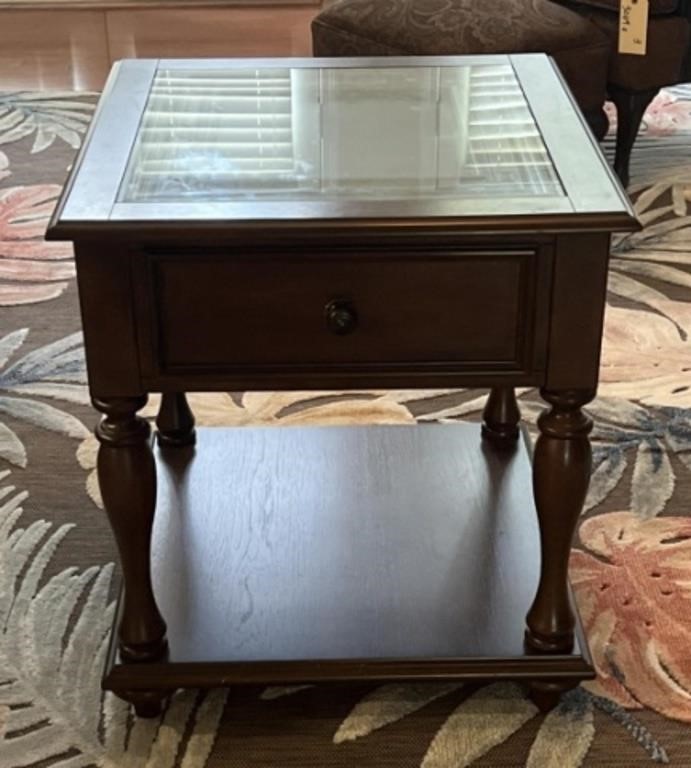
72	45
105	5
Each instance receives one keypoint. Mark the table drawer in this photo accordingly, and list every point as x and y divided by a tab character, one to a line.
450	310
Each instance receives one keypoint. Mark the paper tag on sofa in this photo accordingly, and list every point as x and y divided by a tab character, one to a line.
633	26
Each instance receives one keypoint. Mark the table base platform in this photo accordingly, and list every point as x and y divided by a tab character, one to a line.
312	554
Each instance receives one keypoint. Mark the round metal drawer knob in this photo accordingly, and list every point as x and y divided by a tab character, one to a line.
341	317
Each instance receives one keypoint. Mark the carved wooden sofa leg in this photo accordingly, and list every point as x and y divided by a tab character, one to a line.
631	106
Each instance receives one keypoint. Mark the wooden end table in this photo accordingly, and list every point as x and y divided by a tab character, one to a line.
342	224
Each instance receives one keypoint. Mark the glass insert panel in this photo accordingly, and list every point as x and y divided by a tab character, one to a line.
319	134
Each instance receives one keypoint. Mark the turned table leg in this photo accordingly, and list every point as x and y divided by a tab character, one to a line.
175	421
500	417
127	476
561	472
546	694
145	703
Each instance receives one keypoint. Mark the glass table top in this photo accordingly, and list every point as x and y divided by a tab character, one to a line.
408	133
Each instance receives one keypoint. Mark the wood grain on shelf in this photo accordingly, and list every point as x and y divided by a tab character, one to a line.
327	545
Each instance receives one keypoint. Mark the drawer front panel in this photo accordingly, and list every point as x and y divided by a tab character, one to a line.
447	311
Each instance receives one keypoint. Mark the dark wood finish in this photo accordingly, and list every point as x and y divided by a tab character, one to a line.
546	693
408	312
175	421
501	416
127	477
561	472
145	703
533	257
352	554
212	231
338	377
578	309
631	106
309	559
105	281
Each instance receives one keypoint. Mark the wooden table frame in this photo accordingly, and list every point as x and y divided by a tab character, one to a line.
555	251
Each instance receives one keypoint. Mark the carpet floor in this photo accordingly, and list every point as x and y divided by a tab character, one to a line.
631	564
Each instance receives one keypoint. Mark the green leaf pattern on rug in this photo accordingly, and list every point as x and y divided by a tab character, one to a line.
605	477
647	346
50	697
626	431
50	116
481	722
565	735
648	498
389	704
487	719
57	371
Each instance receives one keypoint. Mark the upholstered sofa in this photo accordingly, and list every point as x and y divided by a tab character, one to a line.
633	81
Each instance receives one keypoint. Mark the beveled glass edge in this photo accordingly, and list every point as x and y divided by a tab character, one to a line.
102	162
585	175
251	210
351	209
350	62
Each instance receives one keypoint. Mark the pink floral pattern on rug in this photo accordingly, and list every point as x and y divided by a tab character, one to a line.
645	355
667	115
633	586
31	270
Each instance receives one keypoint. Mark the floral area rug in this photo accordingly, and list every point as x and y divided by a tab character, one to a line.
631	566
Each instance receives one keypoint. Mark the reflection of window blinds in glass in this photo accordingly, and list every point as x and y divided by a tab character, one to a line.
505	149
382	134
210	131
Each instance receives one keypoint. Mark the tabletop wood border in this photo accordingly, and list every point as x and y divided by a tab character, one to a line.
92	201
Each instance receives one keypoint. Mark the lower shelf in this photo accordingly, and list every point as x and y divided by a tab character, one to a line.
312	554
